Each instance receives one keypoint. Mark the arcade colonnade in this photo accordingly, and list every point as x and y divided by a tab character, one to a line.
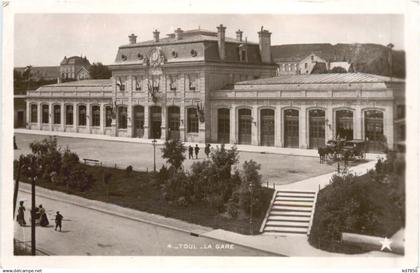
301	126
292	125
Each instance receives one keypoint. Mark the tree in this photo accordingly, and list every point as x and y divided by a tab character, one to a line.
224	159
338	69
173	152
99	71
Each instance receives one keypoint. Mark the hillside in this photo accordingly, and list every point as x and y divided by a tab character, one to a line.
368	58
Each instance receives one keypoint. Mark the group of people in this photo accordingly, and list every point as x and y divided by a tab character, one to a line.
40	216
196	150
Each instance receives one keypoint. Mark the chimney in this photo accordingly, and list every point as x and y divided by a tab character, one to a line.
132	38
178	34
156	35
265	45
221	41
239	35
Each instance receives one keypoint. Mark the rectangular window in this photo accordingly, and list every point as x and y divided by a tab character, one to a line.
192	82
192	123
45	114
122	117
57	114
400	111
121	82
82	115
108	116
34	113
137	83
96	115
69	114
172	79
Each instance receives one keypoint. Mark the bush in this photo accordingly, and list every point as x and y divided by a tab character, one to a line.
128	170
173	152
364	205
79	179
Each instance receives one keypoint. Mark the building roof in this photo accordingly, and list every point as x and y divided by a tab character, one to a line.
97	82
323	78
203	43
188	36
75	60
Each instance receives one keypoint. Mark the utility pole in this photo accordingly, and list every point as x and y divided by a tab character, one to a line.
33	178
251	224
154	155
390	47
15	193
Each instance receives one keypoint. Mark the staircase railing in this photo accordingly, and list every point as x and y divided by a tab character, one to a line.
312	213
270	207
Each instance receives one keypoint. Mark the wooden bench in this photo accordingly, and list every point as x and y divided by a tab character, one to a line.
93	162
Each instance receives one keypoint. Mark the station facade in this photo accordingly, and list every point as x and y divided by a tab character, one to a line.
201	86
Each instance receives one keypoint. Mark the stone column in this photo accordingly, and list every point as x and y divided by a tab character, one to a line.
182	122
146	122
75	112
39	113
277	127
329	129
163	123
89	118
62	116
28	114
389	126
102	118
303	132
255	126
129	119
357	122
233	121
50	115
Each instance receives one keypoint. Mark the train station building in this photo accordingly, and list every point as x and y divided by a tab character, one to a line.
201	86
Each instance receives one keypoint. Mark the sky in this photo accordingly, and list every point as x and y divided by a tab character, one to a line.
44	39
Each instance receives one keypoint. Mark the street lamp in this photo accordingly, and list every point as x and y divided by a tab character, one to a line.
154	155
251	225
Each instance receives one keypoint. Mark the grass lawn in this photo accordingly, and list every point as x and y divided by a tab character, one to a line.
137	191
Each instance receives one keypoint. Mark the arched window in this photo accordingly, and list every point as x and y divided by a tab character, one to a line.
57	114
192	122
82	115
108	116
96	115
69	114
34	113
122	117
45	113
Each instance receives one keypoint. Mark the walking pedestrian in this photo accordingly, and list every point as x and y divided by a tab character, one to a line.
196	149
58	220
43	219
21	215
15	147
190	152
207	150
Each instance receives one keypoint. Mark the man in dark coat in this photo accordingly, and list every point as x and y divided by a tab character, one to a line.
190	152
196	149
207	150
58	220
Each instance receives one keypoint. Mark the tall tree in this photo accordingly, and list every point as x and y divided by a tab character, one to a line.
99	71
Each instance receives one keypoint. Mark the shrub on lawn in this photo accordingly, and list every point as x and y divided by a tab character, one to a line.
128	170
49	155
173	152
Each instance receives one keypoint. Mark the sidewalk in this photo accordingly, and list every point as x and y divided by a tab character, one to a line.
243	148
319	182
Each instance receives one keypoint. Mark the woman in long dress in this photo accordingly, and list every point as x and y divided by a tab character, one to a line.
21	214
43	221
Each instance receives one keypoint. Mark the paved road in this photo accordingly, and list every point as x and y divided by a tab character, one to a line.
90	232
280	169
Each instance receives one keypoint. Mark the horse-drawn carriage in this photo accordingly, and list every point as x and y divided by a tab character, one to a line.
341	149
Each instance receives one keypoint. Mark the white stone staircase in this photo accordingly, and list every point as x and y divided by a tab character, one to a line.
290	213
